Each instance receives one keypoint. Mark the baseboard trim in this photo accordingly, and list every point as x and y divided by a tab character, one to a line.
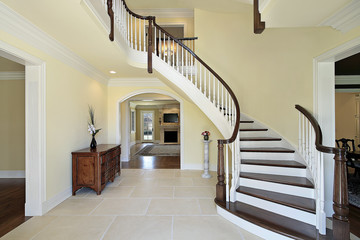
56	200
124	158
12	174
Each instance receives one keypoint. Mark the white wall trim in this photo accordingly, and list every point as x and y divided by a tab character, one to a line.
166	12
18	26
35	126
126	82
57	199
346	18
15	75
12	174
324	105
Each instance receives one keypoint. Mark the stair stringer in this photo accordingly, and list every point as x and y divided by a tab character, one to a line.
138	59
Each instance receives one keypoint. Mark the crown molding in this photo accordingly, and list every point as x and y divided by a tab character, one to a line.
144	82
16	75
166	12
346	18
18	26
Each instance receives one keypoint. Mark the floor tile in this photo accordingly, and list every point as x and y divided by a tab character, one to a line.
118	192
137	181
198	181
140	228
29	229
153	192
188	173
172	207
74	206
194	192
75	227
131	206
159	173
175	181
207	206
209	227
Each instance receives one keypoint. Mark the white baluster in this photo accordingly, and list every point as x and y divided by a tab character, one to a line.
168	50
218	94
222	98
227	171
144	33
164	44
205	82
186	64
191	68
214	91
209	86
156	40
200	79
177	57
182	61
160	44
173	53
196	73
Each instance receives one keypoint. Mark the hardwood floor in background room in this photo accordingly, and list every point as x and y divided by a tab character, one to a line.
12	204
150	162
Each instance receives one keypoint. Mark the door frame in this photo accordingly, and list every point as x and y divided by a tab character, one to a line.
142	125
324	106
35	127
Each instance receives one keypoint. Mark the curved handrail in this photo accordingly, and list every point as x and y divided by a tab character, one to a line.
341	224
237	107
229	104
318	133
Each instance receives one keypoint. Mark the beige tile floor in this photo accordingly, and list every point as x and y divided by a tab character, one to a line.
140	204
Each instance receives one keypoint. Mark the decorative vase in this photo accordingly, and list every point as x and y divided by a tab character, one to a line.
206	137
93	143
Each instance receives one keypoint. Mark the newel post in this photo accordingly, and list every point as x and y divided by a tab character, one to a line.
111	15
220	186
341	224
150	45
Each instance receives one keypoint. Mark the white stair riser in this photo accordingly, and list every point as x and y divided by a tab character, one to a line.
255	134
277	187
254	229
267	155
289	212
284	171
249	144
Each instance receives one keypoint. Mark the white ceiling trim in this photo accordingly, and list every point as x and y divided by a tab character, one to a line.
346	18
143	82
166	12
15	75
18	26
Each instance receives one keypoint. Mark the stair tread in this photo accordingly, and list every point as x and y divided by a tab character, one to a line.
253	129
301	203
246	121
287	180
268	149
274	163
259	139
274	222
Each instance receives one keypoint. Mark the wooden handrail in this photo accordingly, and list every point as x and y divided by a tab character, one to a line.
341	225
221	196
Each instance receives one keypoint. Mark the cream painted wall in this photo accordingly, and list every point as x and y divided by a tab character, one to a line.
12	125
270	72
195	122
345	111
187	22
68	94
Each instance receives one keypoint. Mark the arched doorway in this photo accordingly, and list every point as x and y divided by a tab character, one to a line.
124	123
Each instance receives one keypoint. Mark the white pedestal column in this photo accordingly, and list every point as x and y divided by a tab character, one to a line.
206	159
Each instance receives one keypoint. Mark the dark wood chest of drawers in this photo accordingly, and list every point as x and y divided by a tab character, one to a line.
93	168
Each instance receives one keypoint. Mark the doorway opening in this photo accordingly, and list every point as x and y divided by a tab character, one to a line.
151	117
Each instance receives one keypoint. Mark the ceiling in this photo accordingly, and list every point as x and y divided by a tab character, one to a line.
68	22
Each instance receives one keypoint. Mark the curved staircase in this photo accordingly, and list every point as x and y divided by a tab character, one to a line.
275	199
265	185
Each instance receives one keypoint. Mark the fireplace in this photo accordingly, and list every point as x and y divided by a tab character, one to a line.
170	136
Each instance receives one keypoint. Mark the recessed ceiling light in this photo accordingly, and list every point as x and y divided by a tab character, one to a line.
112	72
